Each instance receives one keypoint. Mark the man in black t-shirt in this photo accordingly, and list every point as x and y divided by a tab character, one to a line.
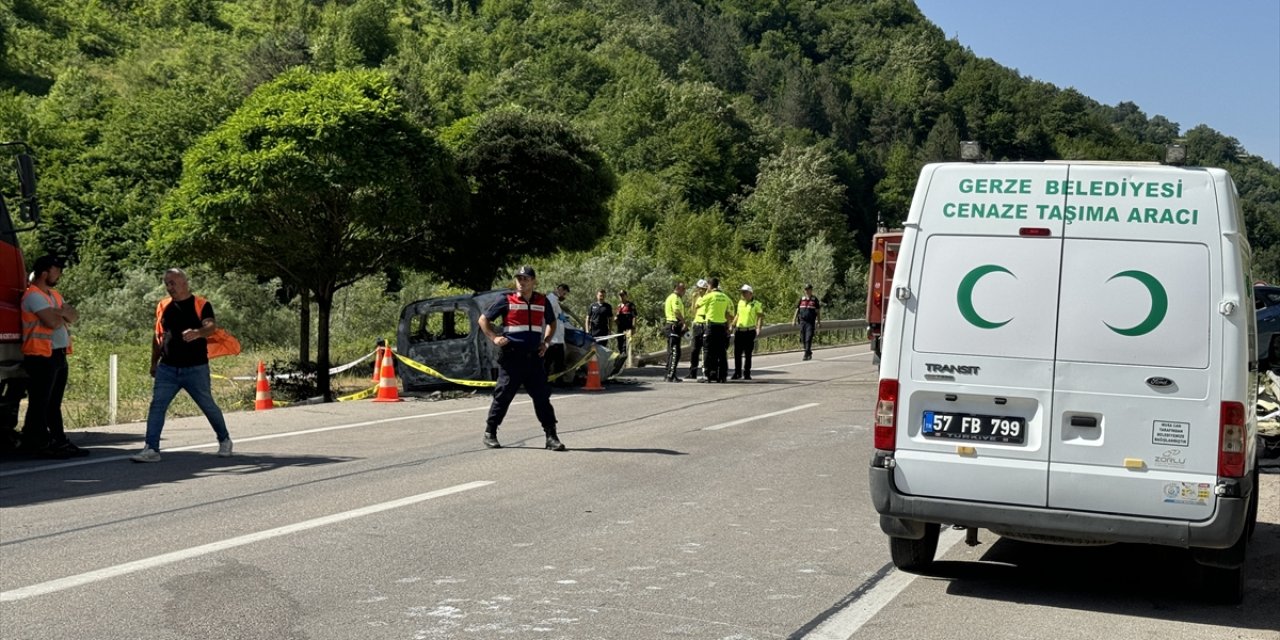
599	314
180	360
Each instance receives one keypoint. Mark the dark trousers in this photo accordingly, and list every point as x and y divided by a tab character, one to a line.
806	336
521	367
699	342
717	351
675	332
622	343
555	364
47	382
744	344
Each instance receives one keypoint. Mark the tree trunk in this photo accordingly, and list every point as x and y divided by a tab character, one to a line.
304	332
324	307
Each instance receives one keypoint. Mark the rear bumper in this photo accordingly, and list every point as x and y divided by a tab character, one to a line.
903	516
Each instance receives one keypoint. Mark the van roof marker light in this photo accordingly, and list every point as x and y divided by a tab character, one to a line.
1035	232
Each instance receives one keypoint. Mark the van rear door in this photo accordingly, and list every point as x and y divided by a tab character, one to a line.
975	363
1137	396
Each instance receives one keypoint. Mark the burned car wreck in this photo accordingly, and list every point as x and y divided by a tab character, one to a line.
444	334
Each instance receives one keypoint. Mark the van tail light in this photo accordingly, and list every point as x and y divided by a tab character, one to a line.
887	415
1231	440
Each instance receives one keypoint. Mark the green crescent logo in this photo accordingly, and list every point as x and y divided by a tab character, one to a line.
1159	303
964	296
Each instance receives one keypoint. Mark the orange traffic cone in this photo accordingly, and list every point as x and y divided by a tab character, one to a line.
377	365
262	401
387	390
593	375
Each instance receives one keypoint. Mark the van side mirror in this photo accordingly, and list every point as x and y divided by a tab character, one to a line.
29	207
27	175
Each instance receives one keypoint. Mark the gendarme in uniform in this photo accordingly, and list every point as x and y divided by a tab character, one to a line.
528	325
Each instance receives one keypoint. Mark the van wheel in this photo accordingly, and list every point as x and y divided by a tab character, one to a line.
1223	586
915	555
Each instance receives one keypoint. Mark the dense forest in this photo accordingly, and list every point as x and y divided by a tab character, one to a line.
615	143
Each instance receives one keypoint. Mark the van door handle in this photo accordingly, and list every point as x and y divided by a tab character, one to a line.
1084	421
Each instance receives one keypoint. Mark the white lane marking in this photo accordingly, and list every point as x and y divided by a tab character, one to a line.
214	547
849	355
804	362
724	425
784	366
850	619
238	441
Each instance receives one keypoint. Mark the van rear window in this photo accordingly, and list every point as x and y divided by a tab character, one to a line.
983	295
1135	303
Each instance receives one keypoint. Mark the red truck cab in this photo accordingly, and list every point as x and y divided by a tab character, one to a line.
884	256
13	283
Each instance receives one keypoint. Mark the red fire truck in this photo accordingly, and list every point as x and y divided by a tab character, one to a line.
884	256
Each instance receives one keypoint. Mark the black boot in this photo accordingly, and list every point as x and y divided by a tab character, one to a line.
554	444
491	440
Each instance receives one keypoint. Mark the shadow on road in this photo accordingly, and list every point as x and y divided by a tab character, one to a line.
665	452
61	482
1125	579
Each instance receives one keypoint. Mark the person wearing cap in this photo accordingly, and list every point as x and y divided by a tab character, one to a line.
528	325
719	317
673	315
748	322
809	316
45	343
555	351
699	330
626	322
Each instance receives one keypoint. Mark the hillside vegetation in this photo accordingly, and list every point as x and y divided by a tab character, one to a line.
763	141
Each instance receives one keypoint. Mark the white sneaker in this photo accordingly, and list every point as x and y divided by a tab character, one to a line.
224	448
146	455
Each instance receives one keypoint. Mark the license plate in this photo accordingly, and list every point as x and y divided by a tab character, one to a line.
965	426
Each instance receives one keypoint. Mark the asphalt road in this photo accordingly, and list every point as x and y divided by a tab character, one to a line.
734	511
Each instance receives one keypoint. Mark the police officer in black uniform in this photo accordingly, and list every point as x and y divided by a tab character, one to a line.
528	325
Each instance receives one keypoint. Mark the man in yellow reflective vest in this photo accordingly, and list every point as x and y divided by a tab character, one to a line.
750	319
673	315
718	319
698	330
45	344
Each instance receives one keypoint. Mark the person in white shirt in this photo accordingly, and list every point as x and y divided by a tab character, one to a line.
555	351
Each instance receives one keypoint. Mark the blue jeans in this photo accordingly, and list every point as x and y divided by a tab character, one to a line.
171	380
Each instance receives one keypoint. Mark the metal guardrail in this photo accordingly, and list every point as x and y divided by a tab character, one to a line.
660	357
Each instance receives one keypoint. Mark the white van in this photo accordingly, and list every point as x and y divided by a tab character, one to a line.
1069	357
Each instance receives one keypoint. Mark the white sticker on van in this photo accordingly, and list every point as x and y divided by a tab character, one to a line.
1186	492
1171	433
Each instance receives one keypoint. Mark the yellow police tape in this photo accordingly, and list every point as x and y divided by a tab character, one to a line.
360	395
371	391
479	383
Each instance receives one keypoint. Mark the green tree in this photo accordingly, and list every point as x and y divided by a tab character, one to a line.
797	197
536	186
1208	148
816	264
318	180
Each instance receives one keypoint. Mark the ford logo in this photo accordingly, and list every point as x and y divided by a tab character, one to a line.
1157	381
